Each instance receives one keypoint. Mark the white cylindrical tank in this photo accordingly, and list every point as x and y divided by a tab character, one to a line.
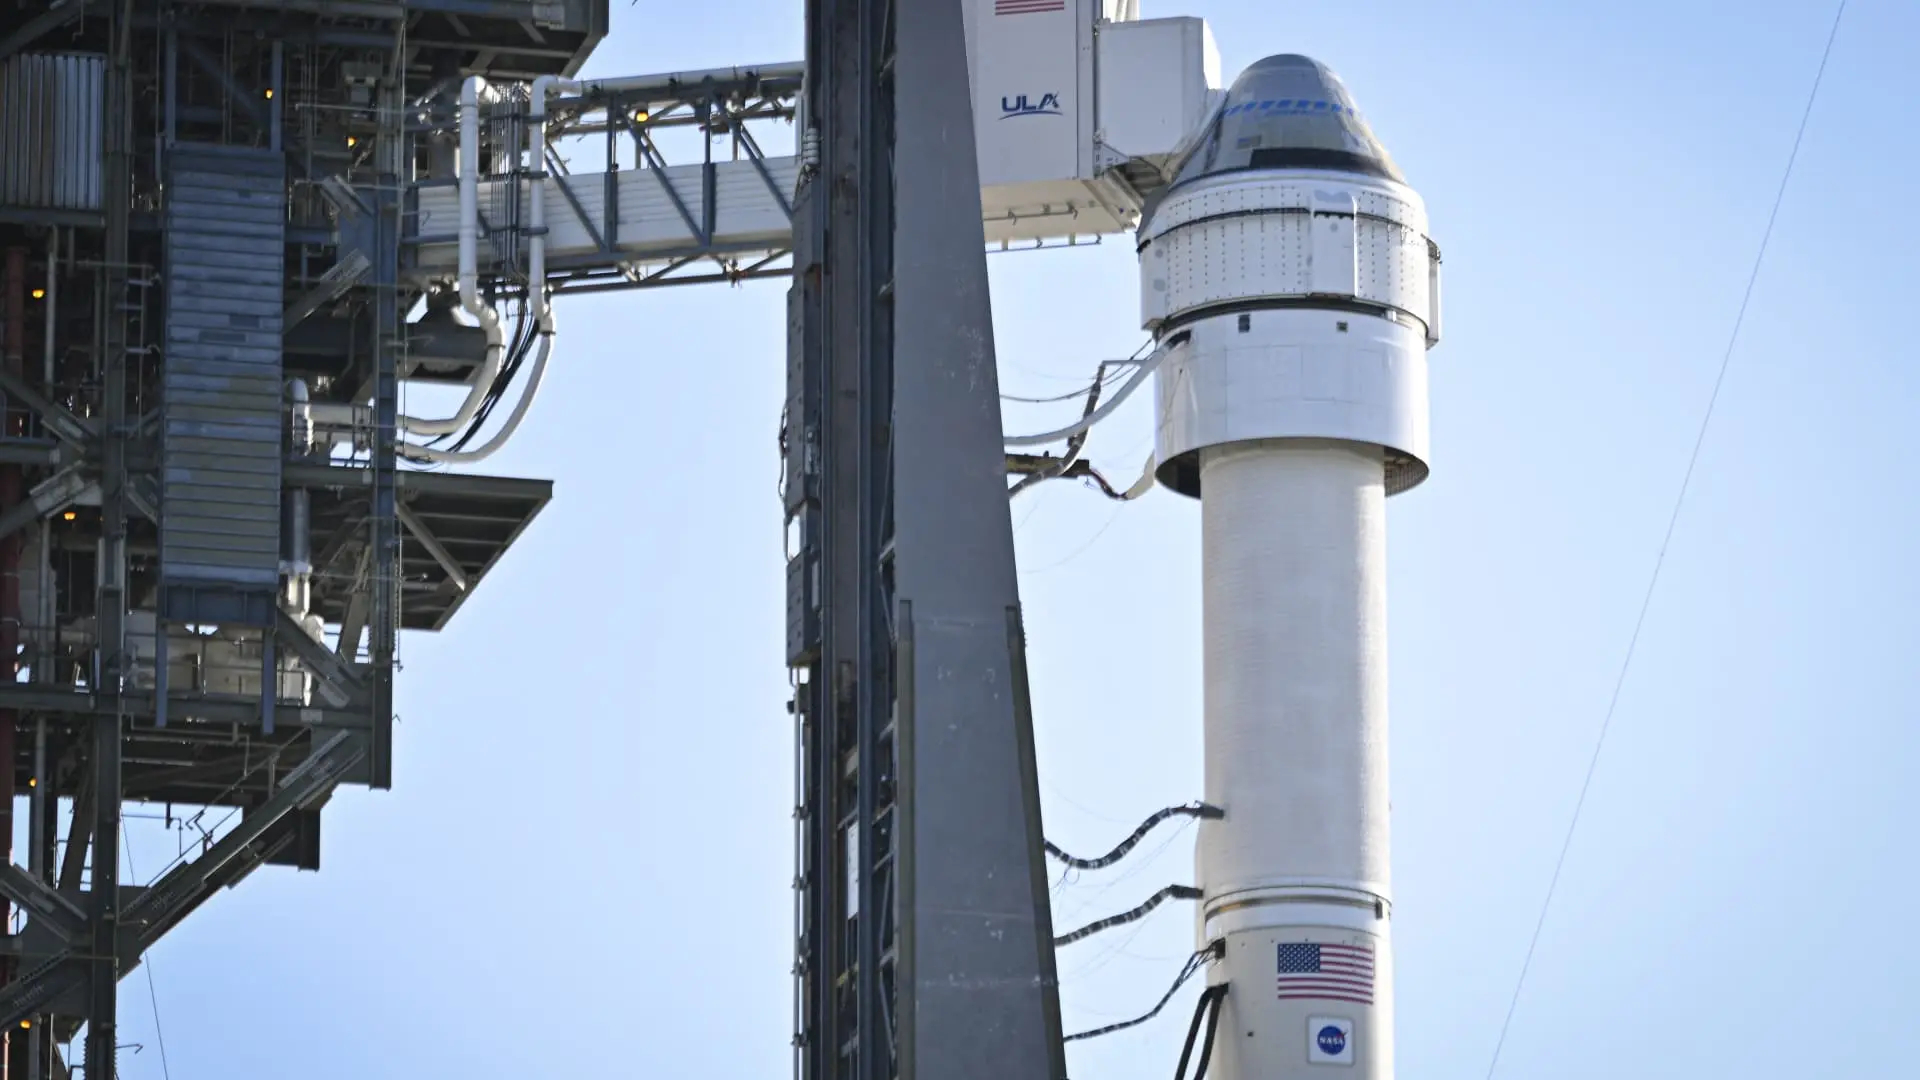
1289	274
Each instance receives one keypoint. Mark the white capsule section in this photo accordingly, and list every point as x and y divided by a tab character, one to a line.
1299	235
1294	373
1295	617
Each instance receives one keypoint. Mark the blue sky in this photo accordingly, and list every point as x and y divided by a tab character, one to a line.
584	866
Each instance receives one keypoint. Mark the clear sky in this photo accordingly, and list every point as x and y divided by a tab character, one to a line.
584	866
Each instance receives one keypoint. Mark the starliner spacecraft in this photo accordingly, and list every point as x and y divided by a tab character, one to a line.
1288	277
1292	292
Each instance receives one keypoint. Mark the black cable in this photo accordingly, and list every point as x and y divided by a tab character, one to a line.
1196	810
503	381
516	347
1194	963
1171	892
1206	1010
1660	560
1213	1028
1193	1032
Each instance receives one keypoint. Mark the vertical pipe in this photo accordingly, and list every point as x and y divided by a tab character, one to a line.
110	606
43	806
53	307
171	94
39	863
10	492
277	96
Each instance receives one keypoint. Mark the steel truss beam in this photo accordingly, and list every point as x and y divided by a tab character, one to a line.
721	109
154	910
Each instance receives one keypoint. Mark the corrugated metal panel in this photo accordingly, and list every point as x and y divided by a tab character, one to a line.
222	448
50	145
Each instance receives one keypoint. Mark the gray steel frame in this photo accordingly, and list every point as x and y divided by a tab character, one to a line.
96	739
916	762
721	111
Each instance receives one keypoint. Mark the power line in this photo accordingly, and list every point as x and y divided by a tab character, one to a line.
1673	520
153	994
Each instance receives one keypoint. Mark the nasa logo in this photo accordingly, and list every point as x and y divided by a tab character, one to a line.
1333	1041
1329	1041
1048	105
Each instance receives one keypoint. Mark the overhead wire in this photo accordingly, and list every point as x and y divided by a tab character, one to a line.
153	993
1037	469
1139	377
1133	914
1193	810
1139	865
1673	520
1194	964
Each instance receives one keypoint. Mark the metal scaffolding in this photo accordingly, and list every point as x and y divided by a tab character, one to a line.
204	241
205	505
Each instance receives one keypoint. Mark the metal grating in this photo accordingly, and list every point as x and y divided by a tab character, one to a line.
50	139
221	388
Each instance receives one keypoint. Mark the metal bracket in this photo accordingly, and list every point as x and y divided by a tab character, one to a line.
339	682
343	275
144	494
60	915
48	496
232	857
434	547
68	427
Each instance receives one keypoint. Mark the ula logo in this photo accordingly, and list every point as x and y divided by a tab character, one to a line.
1048	105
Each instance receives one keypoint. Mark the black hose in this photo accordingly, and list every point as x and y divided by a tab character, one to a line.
1193	1032
1208	1008
1171	892
1196	810
1213	1028
1195	964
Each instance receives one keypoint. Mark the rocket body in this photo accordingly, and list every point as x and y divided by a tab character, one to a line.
1288	275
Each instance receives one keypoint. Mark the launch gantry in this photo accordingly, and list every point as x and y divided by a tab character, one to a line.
234	228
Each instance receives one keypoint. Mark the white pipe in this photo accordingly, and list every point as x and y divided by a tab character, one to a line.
470	202
299	416
1139	378
543	88
469	281
485	450
537	197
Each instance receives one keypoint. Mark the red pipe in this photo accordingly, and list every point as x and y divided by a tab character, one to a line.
10	550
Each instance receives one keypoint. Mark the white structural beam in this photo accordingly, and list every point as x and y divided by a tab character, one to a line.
1079	120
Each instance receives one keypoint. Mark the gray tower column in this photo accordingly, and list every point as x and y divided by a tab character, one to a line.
924	936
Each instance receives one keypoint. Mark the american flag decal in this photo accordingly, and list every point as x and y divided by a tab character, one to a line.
1322	972
1027	7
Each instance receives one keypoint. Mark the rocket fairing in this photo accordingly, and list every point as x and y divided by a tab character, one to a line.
1288	275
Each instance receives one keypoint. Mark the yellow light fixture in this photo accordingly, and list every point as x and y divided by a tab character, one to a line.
641	116
351	140
39	294
269	94
69	515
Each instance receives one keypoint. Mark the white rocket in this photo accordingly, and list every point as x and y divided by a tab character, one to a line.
1288	274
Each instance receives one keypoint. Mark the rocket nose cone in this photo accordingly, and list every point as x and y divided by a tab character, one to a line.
1288	112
